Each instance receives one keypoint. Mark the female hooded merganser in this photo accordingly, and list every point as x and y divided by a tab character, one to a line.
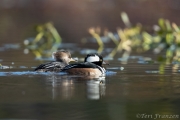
92	66
62	59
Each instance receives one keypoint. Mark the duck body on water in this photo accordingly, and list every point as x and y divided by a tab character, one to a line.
62	59
92	65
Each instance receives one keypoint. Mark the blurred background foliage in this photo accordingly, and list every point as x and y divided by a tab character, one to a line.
45	42
141	28
165	38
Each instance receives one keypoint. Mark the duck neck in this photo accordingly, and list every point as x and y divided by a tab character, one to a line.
63	61
98	63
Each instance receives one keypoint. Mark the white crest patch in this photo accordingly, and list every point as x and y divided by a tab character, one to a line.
92	58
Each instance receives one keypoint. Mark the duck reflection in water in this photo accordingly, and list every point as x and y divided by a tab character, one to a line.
66	87
96	88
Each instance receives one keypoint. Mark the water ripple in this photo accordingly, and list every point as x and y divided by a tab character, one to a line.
28	73
19	73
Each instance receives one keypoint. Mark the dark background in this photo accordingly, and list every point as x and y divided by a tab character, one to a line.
72	18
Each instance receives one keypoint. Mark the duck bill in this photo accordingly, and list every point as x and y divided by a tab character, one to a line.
74	59
104	63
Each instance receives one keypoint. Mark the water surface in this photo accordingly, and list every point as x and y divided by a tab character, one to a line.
129	91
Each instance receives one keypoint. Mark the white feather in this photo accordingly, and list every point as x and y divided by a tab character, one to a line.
92	58
102	69
49	66
53	57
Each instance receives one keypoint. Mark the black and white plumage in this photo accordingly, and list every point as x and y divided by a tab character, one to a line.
62	58
51	66
92	66
94	58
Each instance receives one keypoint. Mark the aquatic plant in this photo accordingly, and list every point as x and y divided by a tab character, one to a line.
96	34
169	35
164	39
45	42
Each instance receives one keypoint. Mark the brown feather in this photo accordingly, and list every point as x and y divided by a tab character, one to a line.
84	71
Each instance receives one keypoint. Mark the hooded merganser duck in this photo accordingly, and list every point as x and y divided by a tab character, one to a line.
92	66
62	59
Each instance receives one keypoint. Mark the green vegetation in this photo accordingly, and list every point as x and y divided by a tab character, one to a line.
164	39
45	42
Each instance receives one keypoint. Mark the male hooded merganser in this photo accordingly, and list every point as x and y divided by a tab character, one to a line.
62	59
92	66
